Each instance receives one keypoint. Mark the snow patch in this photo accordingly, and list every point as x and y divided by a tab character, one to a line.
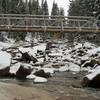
14	68
31	76
5	59
40	80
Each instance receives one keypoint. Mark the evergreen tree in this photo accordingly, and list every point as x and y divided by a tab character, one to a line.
55	9
82	8
4	6
97	9
61	11
45	8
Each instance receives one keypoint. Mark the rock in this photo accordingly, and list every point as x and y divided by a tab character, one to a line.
27	58
92	79
49	45
5	72
95	82
14	68
40	80
90	63
85	82
81	52
31	76
41	73
63	69
49	70
5	60
23	72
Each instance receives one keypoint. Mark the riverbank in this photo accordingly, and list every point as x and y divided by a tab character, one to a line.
9	91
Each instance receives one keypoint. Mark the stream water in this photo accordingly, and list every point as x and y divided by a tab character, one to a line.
63	86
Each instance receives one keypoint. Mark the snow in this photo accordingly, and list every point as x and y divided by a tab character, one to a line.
88	45
5	59
31	76
74	67
55	54
48	70
40	60
79	45
27	66
5	45
40	80
33	51
63	69
94	51
29	50
41	47
94	73
14	68
85	57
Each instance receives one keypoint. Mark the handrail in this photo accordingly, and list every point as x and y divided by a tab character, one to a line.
46	16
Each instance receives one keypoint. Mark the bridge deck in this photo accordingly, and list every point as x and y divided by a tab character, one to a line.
49	29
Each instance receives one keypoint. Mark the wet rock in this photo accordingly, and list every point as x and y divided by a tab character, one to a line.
41	73
85	82
5	72
23	72
95	82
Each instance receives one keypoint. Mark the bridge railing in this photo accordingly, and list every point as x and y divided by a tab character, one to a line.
44	21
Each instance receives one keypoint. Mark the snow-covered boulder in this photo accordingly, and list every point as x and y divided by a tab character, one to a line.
5	61
74	67
48	70
63	68
26	57
40	80
92	79
4	45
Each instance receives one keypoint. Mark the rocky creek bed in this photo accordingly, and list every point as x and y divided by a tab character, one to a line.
49	71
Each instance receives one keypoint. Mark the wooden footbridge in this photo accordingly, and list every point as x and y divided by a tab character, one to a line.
44	23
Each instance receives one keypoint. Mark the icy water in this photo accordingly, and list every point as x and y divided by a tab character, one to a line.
63	86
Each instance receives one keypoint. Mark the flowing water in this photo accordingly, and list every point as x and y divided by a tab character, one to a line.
62	86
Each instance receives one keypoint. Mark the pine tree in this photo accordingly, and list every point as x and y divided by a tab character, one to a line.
97	9
45	8
82	8
55	9
4	6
